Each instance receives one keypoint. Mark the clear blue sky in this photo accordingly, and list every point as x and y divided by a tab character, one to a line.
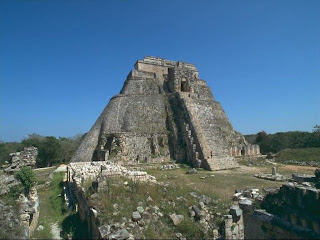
61	61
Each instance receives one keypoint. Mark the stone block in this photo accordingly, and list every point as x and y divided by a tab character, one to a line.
136	216
104	230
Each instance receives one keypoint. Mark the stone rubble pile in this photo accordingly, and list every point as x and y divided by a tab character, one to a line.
277	177
247	194
274	176
144	215
205	212
27	157
105	169
169	166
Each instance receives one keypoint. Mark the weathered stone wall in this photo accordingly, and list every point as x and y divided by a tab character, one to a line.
27	207
297	205
27	157
245	150
10	223
291	212
234	228
142	123
98	172
29	211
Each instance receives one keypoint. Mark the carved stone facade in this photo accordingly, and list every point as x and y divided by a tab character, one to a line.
245	150
164	111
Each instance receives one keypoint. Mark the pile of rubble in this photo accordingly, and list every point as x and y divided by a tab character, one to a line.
205	213
100	170
245	194
27	157
147	214
169	166
274	176
278	177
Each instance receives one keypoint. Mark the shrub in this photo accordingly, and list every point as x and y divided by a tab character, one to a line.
15	191
26	177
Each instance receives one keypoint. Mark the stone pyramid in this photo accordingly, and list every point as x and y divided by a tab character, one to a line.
164	111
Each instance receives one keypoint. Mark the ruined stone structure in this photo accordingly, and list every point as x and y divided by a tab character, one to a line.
99	173
27	207
164	111
27	157
290	212
245	150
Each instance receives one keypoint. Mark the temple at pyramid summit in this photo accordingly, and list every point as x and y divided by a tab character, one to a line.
164	111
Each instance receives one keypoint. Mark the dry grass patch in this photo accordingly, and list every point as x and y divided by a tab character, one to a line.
223	184
118	201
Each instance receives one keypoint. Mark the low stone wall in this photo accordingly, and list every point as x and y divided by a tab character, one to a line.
29	211
87	214
98	172
234	228
263	225
291	212
81	171
296	204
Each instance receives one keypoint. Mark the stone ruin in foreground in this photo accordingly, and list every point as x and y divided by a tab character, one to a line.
164	111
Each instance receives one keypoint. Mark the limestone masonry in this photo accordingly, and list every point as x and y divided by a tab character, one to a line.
164	111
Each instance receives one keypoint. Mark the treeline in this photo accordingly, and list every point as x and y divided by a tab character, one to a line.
51	150
273	143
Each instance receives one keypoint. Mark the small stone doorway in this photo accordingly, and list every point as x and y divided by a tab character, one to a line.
243	152
184	87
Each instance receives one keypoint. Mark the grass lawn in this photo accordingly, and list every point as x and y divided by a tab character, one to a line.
52	207
223	184
299	155
42	174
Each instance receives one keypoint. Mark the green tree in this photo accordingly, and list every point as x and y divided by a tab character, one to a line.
316	128
48	149
8	147
68	146
49	152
